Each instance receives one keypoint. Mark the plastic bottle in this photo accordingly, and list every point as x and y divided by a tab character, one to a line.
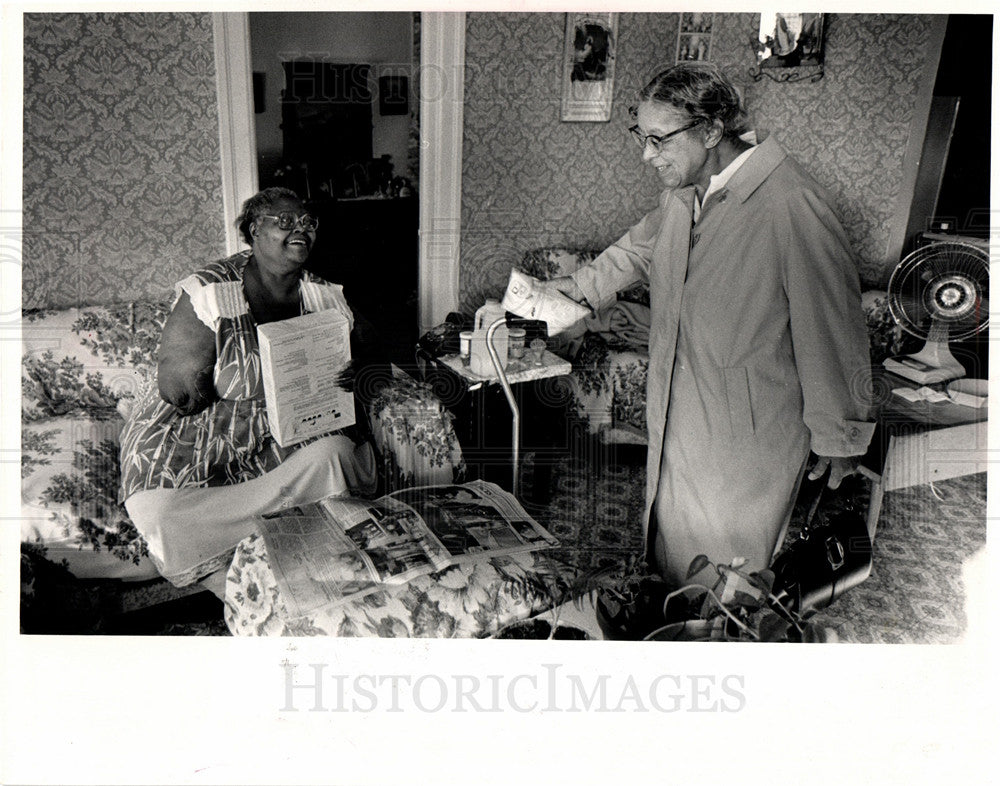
481	363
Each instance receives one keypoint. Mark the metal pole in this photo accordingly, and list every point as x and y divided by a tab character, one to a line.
515	436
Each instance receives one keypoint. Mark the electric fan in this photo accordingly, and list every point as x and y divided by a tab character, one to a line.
939	293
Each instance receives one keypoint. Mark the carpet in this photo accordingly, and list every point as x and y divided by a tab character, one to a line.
914	595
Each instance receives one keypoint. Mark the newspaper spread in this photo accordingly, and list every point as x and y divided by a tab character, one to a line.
342	548
532	299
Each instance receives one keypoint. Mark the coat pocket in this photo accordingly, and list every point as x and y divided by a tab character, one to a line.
738	401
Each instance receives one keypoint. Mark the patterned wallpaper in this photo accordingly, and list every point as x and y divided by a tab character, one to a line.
122	181
851	128
529	180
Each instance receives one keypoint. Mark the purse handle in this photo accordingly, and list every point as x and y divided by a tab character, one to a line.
804	534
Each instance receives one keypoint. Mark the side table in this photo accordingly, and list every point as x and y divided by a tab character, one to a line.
484	424
920	442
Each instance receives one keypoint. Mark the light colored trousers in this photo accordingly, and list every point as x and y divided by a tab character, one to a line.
188	527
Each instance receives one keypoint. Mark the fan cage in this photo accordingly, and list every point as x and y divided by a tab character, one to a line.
933	285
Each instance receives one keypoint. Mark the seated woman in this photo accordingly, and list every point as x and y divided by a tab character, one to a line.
198	460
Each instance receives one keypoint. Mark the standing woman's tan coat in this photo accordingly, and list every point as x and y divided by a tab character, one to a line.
758	352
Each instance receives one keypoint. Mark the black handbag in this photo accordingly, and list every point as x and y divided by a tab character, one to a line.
825	562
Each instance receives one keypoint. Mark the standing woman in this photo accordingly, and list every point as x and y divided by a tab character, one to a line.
198	460
758	348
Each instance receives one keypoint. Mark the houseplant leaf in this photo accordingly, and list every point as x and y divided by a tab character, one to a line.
698	564
772	628
763	580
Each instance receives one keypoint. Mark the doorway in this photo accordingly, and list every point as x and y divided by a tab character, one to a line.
441	69
952	191
335	119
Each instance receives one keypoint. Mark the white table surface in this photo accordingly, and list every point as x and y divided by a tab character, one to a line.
517	370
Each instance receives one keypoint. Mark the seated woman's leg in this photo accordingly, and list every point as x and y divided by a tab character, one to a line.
186	527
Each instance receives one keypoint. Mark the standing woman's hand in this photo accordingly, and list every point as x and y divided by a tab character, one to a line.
567	285
840	467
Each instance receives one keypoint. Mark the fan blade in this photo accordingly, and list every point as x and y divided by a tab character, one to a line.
913	307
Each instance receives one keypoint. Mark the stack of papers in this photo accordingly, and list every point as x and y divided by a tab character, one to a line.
925	393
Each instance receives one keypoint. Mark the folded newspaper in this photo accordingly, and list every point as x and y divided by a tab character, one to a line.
342	548
530	298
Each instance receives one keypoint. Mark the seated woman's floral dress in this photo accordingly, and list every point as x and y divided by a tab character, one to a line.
230	441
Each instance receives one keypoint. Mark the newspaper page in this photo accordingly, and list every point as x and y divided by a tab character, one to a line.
475	519
340	549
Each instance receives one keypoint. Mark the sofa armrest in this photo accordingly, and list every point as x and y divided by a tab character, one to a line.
414	436
885	337
91	360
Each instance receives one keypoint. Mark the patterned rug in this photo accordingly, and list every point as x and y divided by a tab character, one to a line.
914	595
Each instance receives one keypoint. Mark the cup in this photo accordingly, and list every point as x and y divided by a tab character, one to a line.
465	346
536	349
515	345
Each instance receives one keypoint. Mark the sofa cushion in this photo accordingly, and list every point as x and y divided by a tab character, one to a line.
87	360
462	601
69	498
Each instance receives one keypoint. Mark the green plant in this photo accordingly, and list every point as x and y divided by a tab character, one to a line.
555	581
737	606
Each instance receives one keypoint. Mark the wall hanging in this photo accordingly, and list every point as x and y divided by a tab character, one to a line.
694	37
789	47
589	66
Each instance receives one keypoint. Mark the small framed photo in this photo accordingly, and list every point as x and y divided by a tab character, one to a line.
790	40
694	37
589	67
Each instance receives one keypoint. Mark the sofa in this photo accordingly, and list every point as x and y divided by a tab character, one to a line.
82	370
610	351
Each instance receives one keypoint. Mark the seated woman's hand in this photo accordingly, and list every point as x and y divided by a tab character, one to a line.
345	379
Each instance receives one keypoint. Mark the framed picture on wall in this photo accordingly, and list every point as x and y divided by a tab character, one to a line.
694	37
589	67
789	47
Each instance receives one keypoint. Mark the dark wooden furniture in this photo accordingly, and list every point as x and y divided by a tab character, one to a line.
371	246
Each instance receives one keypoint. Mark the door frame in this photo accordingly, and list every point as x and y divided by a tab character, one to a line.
442	66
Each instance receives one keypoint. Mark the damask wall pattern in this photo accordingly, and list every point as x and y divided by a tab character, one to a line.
122	180
851	128
530	180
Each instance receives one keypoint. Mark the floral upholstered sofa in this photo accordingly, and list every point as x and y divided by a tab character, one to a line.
82	369
610	352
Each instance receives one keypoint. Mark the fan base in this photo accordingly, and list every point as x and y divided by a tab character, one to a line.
909	367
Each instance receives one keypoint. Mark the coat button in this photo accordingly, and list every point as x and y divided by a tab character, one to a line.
854	432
